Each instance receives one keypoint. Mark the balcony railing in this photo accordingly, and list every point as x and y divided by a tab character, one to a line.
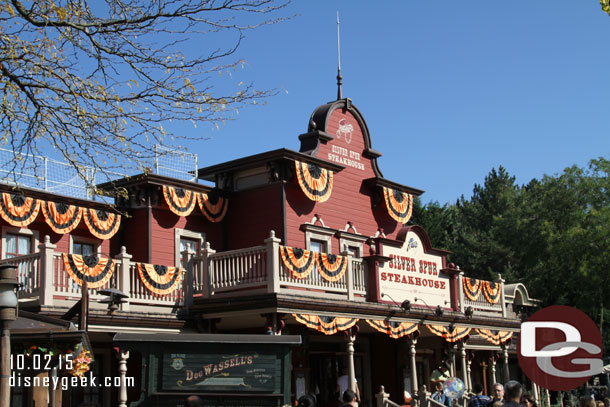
208	274
43	277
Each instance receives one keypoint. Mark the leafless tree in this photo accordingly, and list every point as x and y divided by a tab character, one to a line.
101	82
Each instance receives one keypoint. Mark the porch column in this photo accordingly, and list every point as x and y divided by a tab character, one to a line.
124	282
273	263
123	356
411	342
484	368
492	364
205	270
47	285
453	369
505	357
463	360
351	338
469	357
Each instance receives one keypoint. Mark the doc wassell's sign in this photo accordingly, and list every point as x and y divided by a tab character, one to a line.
412	273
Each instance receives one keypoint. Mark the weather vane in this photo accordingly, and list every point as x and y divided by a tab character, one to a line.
339	77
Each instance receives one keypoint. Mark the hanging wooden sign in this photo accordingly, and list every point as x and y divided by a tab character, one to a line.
450	333
212	205
315	182
160	280
96	271
399	204
393	329
18	210
330	266
60	216
180	201
326	325
299	262
101	224
472	288
495	337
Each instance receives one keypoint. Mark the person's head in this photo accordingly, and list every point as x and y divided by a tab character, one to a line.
528	401
586	401
438	386
512	391
307	401
194	401
349	396
497	391
600	403
606	402
477	388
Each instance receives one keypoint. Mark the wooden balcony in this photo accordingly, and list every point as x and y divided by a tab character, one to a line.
249	271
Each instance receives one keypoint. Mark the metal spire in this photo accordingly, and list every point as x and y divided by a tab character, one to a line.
339	77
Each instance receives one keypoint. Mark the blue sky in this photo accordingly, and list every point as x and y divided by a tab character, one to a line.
449	89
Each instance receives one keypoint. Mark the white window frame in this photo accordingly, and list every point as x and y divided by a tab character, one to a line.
189	234
97	243
323	234
349	239
20	231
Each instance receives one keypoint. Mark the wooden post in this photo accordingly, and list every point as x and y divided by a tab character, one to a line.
502	299
505	357
484	368
493	367
273	263
411	342
47	283
469	370
381	397
124	279
464	370
349	275
206	270
123	356
461	290
351	338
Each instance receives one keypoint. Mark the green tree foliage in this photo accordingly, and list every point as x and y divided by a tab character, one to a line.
605	5
101	82
552	234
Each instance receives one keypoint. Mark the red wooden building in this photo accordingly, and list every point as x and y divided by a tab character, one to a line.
314	242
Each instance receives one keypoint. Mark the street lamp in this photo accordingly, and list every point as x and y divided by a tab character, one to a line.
8	313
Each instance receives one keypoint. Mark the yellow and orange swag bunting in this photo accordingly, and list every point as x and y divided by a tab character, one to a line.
213	206
326	325
491	290
298	261
330	266
161	280
393	329
101	224
495	337
399	204
18	210
315	181
472	288
61	217
96	271
180	201
450	333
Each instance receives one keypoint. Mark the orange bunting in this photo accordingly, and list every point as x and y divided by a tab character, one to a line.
492	290
101	224
18	210
212	205
330	266
96	271
472	288
315	181
161	280
326	325
495	337
180	201
399	204
450	333
298	261
60	216
393	329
